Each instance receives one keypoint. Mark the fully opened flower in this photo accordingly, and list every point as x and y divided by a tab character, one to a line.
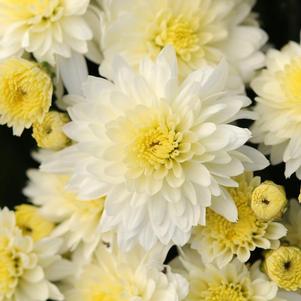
78	222
26	267
159	151
201	31
138	275
221	240
279	107
45	28
236	281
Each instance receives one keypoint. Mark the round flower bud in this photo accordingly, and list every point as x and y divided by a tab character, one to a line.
268	201
49	134
26	94
283	266
32	223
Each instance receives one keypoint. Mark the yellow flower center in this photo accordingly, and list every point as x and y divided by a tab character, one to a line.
10	268
224	292
290	79
156	145
32	223
283	266
33	11
268	201
86	209
179	32
49	133
7	272
26	92
241	234
108	290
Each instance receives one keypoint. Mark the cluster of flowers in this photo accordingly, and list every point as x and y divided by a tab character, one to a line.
149	154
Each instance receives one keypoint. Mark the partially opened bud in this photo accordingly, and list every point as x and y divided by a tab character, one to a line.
268	201
49	133
32	223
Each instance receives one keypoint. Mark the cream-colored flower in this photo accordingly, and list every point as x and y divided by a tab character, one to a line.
221	240
235	281
279	108
27	269
49	133
201	31
26	93
78	221
268	201
45	28
152	146
283	266
118	276
292	222
32	223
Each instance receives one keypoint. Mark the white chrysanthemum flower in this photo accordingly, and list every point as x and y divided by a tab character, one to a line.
45	28
279	107
293	223
27	268
221	240
158	150
114	275
78	222
201	31
235	282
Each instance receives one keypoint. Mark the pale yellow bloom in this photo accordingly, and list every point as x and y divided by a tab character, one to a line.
49	133
283	266
32	223
221	239
234	282
268	201
26	93
46	28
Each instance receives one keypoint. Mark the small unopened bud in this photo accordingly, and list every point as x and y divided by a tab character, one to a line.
268	201
49	133
283	266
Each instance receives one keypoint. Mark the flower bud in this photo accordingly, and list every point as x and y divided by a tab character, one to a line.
268	201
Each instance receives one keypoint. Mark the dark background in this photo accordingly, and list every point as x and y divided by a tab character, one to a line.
280	18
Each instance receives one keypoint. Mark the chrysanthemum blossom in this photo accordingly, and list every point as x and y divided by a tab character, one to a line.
45	28
202	32
220	240
161	152
236	281
137	275
26	93
27	269
279	105
78	222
